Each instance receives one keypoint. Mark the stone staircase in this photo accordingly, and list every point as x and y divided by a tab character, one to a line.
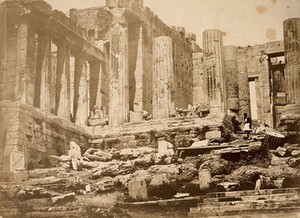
158	125
143	133
268	201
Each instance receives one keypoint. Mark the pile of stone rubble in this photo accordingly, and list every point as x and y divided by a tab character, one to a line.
151	174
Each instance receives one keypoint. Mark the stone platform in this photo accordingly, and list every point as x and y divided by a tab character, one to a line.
179	131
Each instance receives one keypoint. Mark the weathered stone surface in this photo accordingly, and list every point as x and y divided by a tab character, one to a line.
187	172
114	169
75	150
106	184
198	78
295	153
229	186
32	193
146	150
46	180
54	160
172	170
63	198
213	134
294	162
129	152
243	84
291	28
165	148
136	116
213	70
97	155
231	77
277	161
97	122
163	104
247	176
281	152
161	185
204	179
138	189
123	179
216	166
145	160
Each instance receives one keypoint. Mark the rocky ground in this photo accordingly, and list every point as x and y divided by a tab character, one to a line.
97	183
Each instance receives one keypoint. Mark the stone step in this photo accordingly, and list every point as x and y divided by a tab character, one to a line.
71	214
234	207
294	199
286	196
252	192
18	213
264	213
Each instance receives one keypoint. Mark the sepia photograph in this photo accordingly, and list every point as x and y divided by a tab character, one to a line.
149	108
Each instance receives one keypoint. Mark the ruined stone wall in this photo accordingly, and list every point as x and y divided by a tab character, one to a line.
30	135
43	84
198	85
39	50
9	130
255	61
258	69
142	26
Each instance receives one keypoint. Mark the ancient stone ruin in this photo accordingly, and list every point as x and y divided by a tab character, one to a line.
111	97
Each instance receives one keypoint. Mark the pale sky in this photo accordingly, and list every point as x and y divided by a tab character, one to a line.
244	22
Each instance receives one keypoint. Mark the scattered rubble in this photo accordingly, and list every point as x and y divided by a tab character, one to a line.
147	173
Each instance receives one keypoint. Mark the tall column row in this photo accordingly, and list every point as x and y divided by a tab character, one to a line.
52	88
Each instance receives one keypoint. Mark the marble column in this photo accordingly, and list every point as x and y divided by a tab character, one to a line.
213	70
291	113
198	86
139	73
231	77
163	78
80	111
25	60
265	91
291	29
119	73
43	73
95	85
243	84
62	106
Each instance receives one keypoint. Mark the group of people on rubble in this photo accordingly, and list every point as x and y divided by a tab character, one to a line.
247	121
